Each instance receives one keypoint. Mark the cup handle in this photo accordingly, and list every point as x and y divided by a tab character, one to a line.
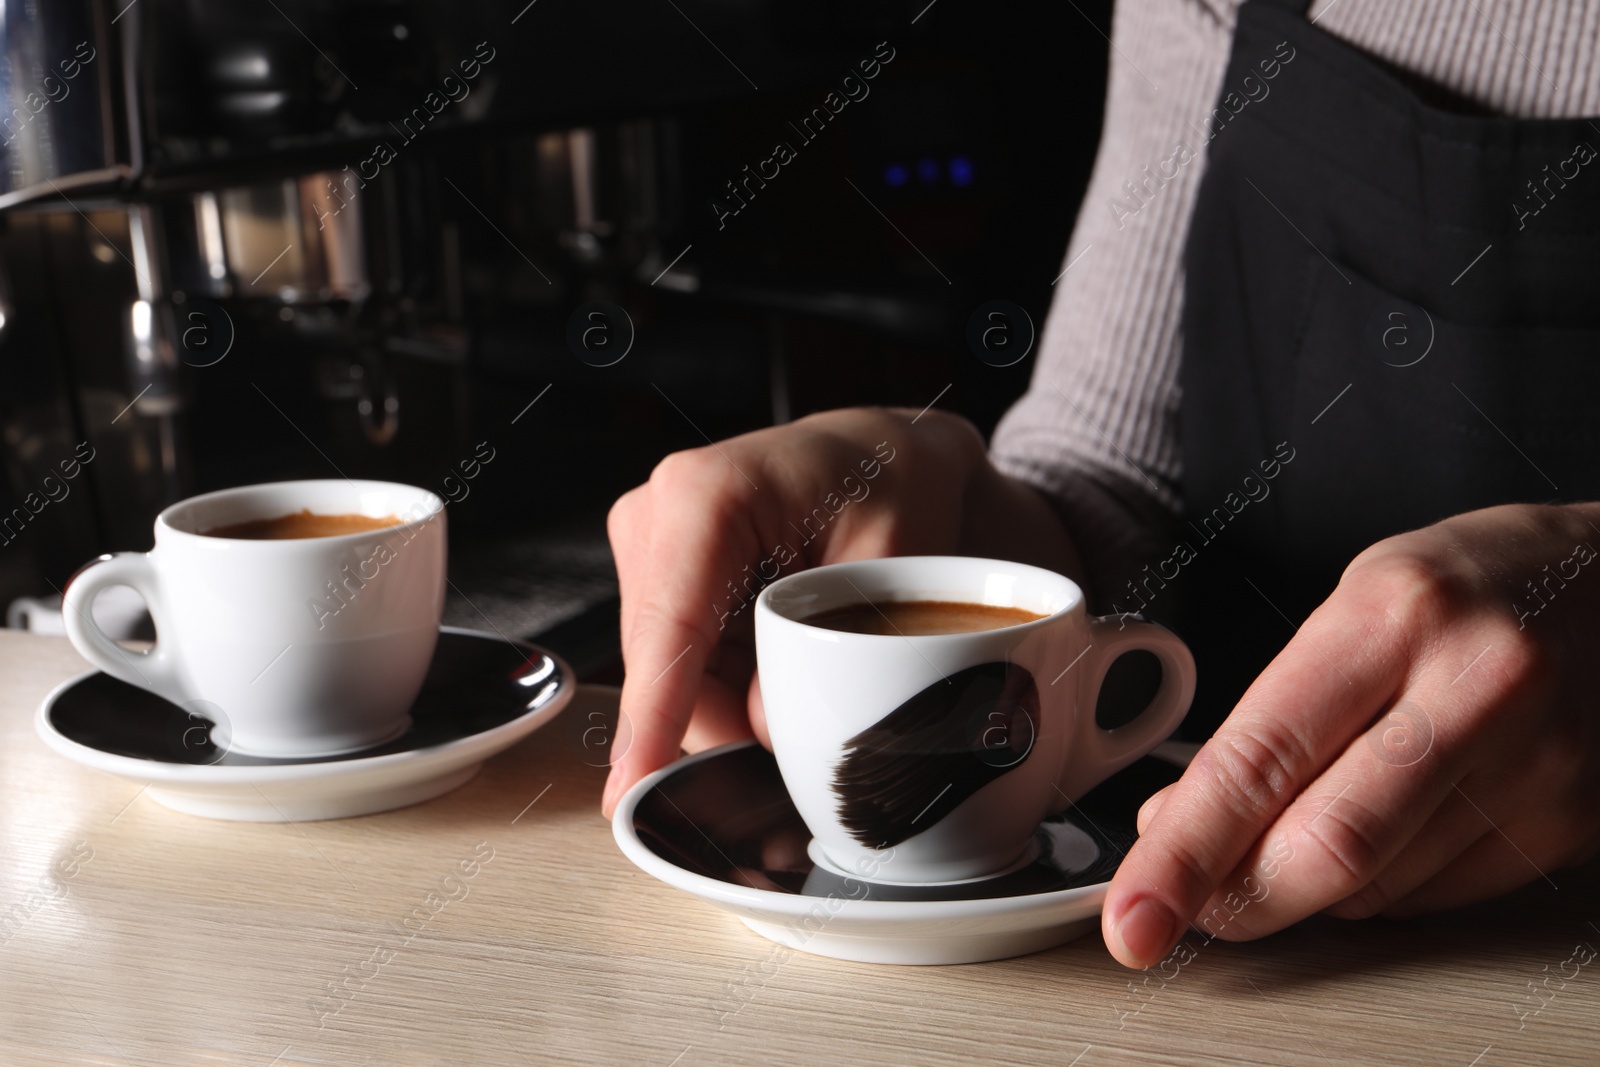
155	669
1096	754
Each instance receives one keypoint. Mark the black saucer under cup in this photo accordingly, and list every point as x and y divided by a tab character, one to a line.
474	683
721	826
481	694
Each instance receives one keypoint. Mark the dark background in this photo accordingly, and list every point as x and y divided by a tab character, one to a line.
975	142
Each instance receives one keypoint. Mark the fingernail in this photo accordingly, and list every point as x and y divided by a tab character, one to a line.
1146	931
1148	811
608	799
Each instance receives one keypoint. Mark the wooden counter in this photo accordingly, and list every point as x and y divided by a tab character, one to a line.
130	934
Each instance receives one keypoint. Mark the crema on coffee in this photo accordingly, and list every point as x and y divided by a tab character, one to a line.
302	523
914	617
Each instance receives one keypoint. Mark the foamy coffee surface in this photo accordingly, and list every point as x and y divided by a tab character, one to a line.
910	617
299	524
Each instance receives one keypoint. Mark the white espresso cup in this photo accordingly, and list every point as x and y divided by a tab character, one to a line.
935	757
307	646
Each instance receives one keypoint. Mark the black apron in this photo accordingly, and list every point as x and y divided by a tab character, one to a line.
1391	307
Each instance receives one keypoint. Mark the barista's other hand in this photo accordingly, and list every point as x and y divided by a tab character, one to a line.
1430	737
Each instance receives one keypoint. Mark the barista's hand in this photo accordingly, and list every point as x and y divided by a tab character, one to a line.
1429	738
695	544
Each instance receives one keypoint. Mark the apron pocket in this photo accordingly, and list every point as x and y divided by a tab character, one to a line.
1403	416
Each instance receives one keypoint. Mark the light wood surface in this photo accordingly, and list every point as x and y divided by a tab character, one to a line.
150	937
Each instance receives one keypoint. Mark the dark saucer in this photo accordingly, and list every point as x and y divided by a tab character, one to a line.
475	683
729	818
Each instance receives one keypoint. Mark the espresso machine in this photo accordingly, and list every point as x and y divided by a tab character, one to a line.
541	243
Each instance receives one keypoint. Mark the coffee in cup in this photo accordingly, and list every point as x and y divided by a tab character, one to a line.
928	712
911	617
298	617
302	523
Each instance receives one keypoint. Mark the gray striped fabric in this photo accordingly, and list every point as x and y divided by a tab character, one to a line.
1097	429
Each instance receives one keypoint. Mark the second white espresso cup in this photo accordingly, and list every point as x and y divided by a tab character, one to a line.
306	646
934	757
